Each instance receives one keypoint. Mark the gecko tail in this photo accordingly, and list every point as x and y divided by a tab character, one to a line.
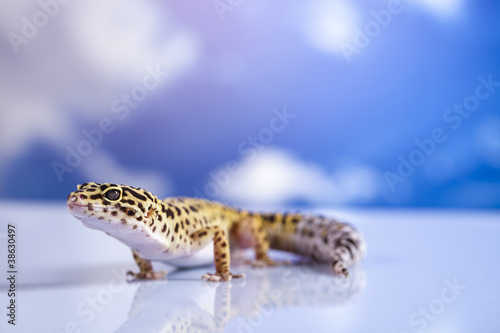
346	255
338	267
330	241
347	248
322	238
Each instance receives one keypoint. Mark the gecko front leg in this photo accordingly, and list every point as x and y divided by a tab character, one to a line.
221	253
146	269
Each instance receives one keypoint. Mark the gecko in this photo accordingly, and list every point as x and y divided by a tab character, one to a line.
178	230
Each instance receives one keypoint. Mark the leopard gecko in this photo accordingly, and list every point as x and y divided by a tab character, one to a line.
179	228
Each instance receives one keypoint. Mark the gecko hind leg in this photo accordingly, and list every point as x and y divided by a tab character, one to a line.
260	240
146	270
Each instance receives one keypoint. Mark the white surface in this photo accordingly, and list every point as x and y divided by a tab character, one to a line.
71	279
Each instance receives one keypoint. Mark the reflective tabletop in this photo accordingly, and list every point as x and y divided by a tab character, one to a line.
426	271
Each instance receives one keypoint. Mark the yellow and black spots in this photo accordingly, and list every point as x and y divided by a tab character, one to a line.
183	228
321	238
222	256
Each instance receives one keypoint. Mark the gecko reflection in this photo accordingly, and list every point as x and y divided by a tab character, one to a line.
190	306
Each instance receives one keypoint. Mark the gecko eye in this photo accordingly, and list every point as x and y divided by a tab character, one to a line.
112	195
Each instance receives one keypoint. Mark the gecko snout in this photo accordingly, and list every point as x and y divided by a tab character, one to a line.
76	199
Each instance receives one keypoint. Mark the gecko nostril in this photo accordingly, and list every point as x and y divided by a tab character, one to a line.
73	198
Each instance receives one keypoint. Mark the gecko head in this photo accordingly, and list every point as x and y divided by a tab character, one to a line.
110	207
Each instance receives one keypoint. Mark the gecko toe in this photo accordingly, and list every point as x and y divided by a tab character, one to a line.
216	277
239	276
267	262
149	275
212	277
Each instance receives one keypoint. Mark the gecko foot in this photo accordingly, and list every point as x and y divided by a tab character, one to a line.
221	277
149	275
267	262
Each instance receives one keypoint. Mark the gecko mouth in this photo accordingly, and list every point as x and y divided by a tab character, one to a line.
85	210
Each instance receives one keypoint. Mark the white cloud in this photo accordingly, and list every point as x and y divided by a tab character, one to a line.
87	55
276	177
328	23
117	37
100	167
22	120
442	8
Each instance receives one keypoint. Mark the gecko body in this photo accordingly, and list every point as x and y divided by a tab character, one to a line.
177	229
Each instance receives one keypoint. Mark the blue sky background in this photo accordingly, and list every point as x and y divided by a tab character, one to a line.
354	115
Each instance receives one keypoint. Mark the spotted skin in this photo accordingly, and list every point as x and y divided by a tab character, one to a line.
179	228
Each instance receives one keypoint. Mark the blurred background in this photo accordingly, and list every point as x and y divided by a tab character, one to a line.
317	103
